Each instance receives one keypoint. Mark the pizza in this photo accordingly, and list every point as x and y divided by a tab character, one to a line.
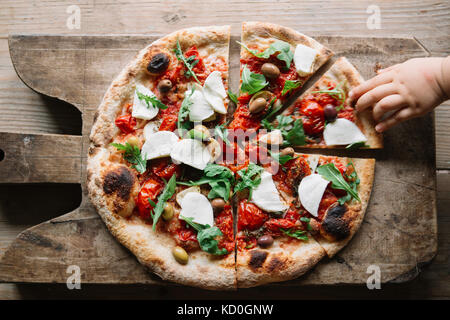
212	196
328	119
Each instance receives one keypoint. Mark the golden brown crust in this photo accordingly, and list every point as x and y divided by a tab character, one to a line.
342	71
112	186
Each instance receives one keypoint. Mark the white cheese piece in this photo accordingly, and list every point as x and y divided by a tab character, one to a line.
191	152
200	108
214	92
196	206
304	58
159	144
274	137
313	160
180	195
140	108
342	132
266	195
310	192
150	128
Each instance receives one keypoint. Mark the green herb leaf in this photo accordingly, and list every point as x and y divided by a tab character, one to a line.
189	62
166	194
206	237
295	136
219	178
357	145
353	182
281	159
283	48
154	101
133	155
233	97
222	133
331	173
290	85
306	220
252	82
152	203
297	234
338	93
250	178
183	124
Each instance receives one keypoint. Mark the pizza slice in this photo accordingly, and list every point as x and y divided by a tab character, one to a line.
275	63
147	143
271	241
325	117
330	195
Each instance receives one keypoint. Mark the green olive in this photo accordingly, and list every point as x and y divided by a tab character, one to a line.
270	70
134	141
164	85
168	211
200	132
257	105
180	255
218	204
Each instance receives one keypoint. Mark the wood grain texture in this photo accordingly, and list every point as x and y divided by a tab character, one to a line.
80	237
31	158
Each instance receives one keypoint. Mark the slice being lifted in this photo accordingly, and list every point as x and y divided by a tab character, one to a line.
327	117
275	63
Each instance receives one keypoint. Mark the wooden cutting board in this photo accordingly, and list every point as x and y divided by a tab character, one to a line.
399	232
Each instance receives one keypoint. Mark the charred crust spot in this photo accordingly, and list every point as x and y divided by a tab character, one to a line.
335	224
96	115
119	181
93	151
275	264
257	258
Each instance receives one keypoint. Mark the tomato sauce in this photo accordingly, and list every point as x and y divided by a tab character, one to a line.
224	221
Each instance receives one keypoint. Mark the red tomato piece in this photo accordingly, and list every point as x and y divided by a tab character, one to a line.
250	216
126	123
150	190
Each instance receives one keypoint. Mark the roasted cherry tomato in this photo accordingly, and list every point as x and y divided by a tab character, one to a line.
327	200
274	225
150	190
250	216
169	123
165	169
126	123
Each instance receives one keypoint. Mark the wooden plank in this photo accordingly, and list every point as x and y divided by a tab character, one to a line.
80	237
35	158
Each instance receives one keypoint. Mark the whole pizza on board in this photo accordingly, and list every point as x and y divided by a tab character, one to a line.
216	197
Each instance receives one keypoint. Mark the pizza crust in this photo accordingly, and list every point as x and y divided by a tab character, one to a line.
152	249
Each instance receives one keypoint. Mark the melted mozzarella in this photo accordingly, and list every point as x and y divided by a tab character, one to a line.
342	132
140	108
196	206
214	92
200	108
304	58
191	152
310	192
159	144
266	195
181	194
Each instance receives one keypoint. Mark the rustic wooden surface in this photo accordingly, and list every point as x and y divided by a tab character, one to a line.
25	111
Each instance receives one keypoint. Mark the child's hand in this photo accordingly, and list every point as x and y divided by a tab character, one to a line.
408	90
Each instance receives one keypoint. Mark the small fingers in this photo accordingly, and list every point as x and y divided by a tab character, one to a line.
376	81
389	103
400	116
373	96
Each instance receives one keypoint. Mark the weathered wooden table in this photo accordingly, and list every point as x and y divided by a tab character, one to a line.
25	111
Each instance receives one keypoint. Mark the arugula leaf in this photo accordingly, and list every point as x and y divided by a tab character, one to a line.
166	194
281	159
338	93
183	124
206	237
353	182
272	110
290	85
295	136
233	97
250	178
189	62
133	155
219	178
331	173
285	54
222	133
152	203
154	101
307	220
297	234
357	145
252	82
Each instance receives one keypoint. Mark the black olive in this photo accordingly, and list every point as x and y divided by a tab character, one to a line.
265	241
159	63
330	112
